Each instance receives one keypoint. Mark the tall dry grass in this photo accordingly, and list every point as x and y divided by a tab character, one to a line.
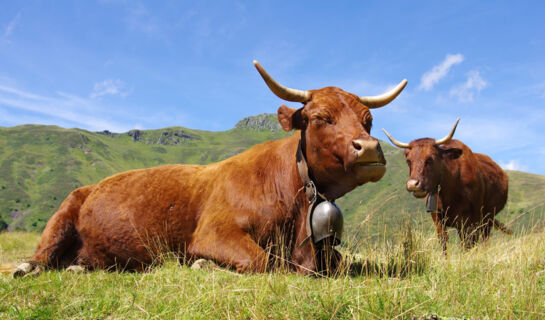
405	277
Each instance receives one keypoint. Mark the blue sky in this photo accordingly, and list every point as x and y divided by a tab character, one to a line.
119	65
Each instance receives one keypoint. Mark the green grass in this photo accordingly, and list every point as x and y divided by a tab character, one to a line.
392	275
17	246
404	278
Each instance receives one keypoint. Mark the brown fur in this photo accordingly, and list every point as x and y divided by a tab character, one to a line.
228	211
473	188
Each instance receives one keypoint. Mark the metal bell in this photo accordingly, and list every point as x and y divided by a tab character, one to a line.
431	203
327	221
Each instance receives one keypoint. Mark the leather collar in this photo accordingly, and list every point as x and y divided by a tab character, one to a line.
313	195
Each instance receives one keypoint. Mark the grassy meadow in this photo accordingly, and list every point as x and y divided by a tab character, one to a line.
393	270
406	277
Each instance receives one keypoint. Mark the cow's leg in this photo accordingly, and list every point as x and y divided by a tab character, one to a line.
473	238
441	229
462	235
232	249
468	236
328	260
203	264
27	269
56	248
485	229
60	240
76	269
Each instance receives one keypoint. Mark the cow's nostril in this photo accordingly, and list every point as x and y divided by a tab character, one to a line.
356	145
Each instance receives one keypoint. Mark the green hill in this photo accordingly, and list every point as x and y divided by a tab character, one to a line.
40	165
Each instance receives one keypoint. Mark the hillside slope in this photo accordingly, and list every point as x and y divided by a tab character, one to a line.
40	165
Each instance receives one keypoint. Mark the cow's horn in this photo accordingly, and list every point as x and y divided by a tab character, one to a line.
281	91
373	102
449	136
394	141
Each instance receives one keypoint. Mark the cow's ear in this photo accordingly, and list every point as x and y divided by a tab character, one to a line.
290	118
451	153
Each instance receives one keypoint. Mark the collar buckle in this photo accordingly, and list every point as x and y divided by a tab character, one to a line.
310	191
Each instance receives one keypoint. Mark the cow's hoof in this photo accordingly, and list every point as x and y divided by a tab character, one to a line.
76	269
203	264
37	270
26	270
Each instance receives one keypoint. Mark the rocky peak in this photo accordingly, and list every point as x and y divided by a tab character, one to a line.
135	134
261	122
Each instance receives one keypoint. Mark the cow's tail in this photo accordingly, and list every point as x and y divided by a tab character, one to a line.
502	227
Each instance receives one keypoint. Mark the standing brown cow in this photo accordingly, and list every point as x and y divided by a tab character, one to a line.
230	211
464	190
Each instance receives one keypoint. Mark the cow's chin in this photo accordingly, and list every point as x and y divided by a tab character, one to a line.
369	173
419	194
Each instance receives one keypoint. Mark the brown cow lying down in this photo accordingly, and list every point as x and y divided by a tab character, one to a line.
232	211
464	190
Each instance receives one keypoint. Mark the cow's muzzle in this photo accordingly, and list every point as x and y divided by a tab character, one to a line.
366	160
367	152
414	186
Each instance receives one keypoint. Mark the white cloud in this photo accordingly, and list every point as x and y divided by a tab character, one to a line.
109	87
438	72
8	30
69	109
465	91
513	165
20	93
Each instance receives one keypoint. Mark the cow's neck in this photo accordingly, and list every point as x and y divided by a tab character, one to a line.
328	190
446	187
310	189
292	187
303	257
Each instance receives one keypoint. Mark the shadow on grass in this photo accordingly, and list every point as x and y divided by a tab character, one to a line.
407	259
391	268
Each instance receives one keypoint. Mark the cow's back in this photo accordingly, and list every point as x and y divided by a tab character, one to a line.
462	178
465	187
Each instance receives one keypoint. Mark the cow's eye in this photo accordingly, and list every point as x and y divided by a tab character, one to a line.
429	162
321	120
409	162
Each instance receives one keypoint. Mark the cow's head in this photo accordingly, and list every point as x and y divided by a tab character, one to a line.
336	134
425	160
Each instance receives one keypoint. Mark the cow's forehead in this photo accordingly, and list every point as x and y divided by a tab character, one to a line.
336	100
422	146
422	142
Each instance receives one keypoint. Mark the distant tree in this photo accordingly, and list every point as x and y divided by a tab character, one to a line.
3	225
